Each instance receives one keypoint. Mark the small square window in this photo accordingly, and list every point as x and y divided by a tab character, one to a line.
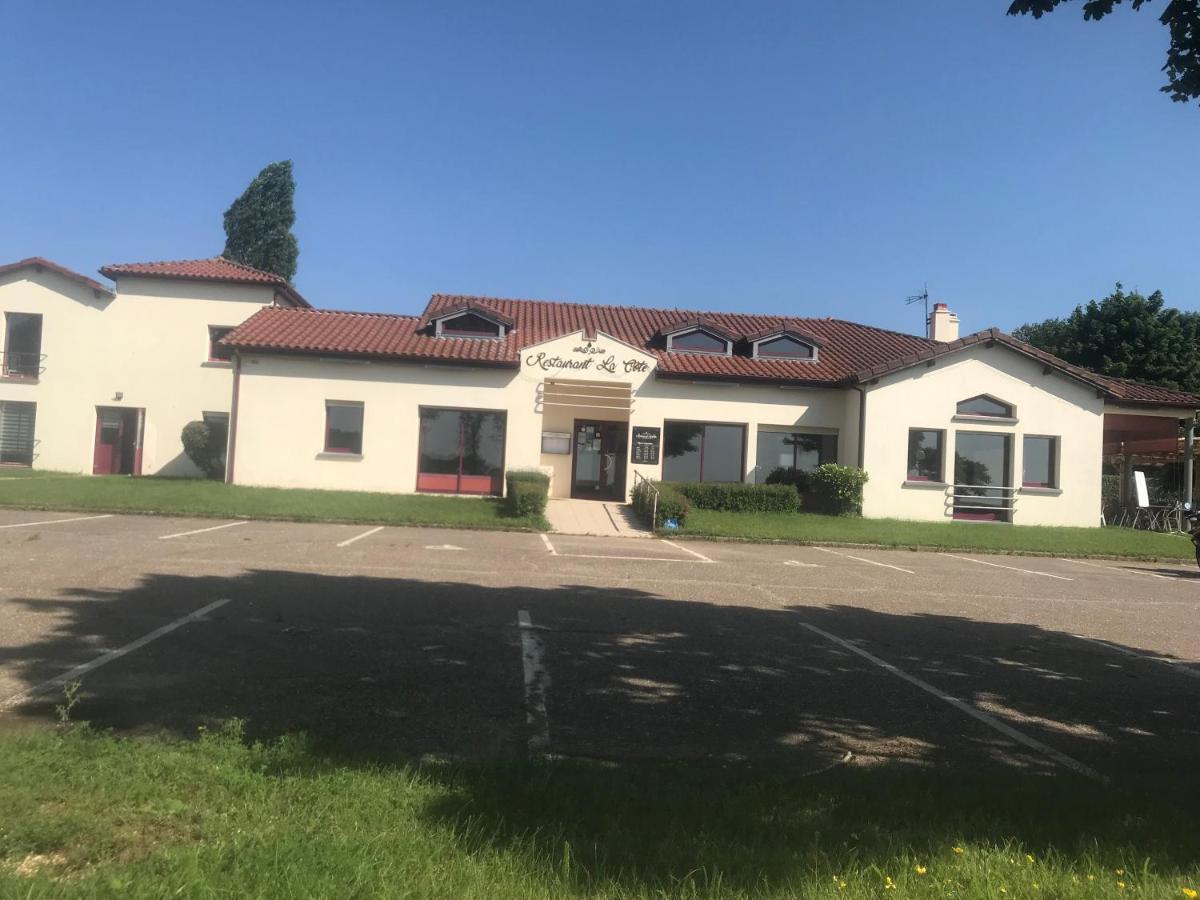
925	455
218	352
1039	462
343	427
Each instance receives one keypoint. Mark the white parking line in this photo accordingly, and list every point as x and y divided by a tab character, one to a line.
1179	665
57	521
549	546
673	559
167	537
694	553
359	537
1115	568
72	674
870	562
1007	730
537	680
1011	568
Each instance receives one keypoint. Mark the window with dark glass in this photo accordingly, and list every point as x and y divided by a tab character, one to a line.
461	451
23	344
218	352
469	325
981	472
699	451
16	433
782	452
985	406
924	455
343	427
784	347
1039	461
699	342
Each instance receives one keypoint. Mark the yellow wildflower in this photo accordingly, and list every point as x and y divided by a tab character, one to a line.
959	850
1191	893
1118	871
1029	857
1121	885
888	884
920	870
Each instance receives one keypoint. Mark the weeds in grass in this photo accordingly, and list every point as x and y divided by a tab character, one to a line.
70	699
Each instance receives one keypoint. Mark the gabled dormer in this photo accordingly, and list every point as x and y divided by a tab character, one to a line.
470	320
698	336
783	343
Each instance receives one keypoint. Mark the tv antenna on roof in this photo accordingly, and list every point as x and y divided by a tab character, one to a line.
923	298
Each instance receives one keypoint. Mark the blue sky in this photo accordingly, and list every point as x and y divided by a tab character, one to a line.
798	158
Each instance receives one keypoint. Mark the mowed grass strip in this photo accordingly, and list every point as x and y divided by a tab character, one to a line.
89	815
199	497
983	537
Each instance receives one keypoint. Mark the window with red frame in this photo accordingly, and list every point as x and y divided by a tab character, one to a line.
925	455
218	352
343	427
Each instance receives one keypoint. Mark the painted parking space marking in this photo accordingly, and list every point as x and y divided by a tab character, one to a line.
537	681
549	546
870	562
673	559
1057	756
802	565
982	562
57	521
359	537
444	547
1093	565
1177	665
170	537
700	556
80	670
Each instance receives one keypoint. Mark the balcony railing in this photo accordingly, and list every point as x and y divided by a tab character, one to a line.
22	365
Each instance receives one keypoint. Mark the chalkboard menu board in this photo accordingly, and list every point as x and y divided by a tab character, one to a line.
645	445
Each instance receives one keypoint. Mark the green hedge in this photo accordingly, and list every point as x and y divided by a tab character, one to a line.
671	503
526	493
837	490
740	497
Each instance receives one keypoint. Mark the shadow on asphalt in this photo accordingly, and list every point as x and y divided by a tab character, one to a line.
743	703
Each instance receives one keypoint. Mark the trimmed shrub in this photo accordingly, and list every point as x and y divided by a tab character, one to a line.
671	503
205	447
797	478
740	497
526	493
838	490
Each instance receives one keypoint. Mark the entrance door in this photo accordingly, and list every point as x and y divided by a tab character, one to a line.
598	460
118	441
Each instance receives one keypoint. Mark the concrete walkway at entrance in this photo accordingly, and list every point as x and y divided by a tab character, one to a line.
594	517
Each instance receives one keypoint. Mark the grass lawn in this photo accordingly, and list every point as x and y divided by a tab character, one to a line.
198	497
990	538
89	815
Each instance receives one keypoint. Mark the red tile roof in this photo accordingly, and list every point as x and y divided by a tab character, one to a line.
846	346
38	262
215	268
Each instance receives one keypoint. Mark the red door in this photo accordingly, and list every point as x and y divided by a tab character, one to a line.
110	430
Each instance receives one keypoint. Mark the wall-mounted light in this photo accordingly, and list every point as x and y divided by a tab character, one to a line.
119	395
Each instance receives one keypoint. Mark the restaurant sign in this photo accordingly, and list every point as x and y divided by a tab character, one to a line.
587	358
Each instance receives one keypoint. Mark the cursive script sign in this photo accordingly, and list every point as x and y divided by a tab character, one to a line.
609	364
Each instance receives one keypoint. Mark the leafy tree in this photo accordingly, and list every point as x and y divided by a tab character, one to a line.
1182	18
1126	335
205	447
258	224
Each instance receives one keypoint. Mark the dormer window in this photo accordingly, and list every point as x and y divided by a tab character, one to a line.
985	406
783	346
698	341
470	325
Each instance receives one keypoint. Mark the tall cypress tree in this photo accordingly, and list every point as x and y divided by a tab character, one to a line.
258	224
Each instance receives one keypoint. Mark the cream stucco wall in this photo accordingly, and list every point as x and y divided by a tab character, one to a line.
1045	404
149	344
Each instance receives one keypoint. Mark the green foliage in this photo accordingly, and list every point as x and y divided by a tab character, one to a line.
740	497
527	493
671	503
838	490
258	224
1182	18
1126	335
797	478
205	447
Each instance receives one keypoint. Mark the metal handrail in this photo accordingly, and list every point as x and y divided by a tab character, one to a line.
22	365
653	506
1005	499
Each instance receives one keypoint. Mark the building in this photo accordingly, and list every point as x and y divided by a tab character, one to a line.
975	427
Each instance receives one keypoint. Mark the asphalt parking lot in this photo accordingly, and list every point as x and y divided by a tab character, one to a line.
467	644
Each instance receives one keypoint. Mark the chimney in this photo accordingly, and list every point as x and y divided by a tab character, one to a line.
943	324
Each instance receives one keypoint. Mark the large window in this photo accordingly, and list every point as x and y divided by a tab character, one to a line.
461	451
698	342
792	451
23	344
925	455
218	352
698	451
981	472
343	427
16	433
1039	462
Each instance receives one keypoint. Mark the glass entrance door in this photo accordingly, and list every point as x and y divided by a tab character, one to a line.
598	461
982	462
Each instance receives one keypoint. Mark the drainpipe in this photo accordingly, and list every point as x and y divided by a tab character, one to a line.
231	446
862	425
1189	456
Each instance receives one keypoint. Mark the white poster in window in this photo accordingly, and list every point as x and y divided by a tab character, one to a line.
1139	483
